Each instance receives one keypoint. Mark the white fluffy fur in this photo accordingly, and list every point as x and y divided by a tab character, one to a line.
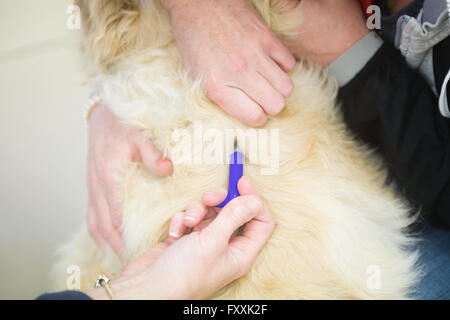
335	215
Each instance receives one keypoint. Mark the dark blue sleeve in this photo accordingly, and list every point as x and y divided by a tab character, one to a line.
391	107
64	295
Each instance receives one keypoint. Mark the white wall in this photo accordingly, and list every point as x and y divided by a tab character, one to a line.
42	141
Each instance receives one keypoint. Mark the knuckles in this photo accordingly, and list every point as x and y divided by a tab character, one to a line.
288	87
237	63
105	230
214	90
256	118
267	40
276	106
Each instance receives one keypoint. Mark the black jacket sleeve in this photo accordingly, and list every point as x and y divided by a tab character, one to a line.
64	295
391	107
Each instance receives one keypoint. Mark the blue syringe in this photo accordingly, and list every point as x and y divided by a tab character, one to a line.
235	174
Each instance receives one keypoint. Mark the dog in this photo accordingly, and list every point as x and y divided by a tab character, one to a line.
342	232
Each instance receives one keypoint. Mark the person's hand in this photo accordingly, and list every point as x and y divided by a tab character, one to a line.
241	62
205	250
111	146
326	30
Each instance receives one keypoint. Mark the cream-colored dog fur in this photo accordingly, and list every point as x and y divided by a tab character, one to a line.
338	224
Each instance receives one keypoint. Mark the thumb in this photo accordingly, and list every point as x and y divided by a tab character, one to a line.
245	187
152	157
256	232
234	215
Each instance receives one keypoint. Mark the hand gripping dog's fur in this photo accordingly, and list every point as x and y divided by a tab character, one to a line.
341	232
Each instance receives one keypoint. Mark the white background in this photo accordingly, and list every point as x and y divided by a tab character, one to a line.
42	141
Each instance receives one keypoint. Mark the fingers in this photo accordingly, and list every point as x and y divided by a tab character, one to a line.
255	94
209	217
104	227
151	156
256	232
111	190
177	227
214	198
198	215
194	214
100	222
261	91
92	226
282	56
238	104
246	188
279	80
235	214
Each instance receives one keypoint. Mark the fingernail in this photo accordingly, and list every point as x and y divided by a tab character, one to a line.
162	160
189	218
173	234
